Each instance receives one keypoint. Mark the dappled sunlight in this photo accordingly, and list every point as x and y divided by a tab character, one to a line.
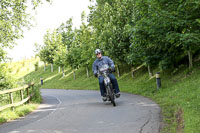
67	75
43	110
129	73
51	77
152	77
138	67
124	75
42	106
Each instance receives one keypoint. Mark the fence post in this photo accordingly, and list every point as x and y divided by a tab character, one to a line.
22	94
28	93
32	92
23	90
11	99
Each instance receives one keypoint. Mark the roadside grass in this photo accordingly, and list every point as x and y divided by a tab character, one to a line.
178	97
9	114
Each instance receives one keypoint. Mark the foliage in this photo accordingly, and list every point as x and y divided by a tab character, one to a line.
68	47
36	66
155	33
82	47
51	43
112	21
14	17
164	31
2	54
66	31
6	80
66	35
134	32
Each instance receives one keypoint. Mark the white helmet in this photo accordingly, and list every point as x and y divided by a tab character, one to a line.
97	51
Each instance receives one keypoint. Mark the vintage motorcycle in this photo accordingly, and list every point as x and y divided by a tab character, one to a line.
110	93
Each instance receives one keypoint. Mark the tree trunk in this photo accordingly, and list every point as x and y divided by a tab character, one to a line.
51	67
59	69
118	72
74	73
87	71
44	66
63	72
190	59
149	70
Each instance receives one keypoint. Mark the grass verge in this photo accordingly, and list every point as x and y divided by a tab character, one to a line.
9	114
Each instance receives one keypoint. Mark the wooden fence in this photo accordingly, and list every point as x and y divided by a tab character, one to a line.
23	100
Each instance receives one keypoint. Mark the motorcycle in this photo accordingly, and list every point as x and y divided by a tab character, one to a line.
110	92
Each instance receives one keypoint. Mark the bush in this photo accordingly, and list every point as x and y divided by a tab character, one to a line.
6	80
36	65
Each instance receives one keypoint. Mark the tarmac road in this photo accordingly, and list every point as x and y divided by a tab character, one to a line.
82	111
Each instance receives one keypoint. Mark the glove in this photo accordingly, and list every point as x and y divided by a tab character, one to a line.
95	74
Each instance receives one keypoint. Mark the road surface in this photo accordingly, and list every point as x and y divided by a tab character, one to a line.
82	111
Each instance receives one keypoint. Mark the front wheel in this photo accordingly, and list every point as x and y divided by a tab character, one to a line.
111	95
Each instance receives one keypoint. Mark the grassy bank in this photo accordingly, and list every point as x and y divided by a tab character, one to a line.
18	70
178	97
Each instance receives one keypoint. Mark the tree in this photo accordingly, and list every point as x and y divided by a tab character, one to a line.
112	21
73	55
60	53
87	47
6	79
50	42
66	34
13	18
164	32
43	55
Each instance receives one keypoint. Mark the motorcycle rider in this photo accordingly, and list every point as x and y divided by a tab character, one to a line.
98	63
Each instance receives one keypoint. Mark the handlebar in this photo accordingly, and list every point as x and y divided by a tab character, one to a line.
109	70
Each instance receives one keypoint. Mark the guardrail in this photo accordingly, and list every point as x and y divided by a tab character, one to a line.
21	89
